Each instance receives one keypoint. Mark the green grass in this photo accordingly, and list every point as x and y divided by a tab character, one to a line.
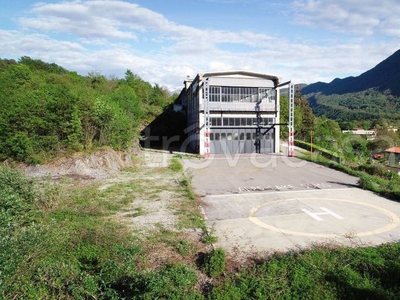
320	273
60	241
175	164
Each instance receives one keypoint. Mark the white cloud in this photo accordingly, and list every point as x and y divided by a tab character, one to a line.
113	36
102	18
18	43
346	16
390	26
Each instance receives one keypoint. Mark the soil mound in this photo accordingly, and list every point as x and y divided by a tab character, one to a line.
98	165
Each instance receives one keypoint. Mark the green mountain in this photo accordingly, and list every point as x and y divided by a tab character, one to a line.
371	95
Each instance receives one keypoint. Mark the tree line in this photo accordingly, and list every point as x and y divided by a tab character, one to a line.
370	104
47	110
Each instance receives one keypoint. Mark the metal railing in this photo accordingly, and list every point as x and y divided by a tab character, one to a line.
239	106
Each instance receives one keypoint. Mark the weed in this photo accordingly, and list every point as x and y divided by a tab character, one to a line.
175	165
209	238
350	234
188	156
214	263
184	247
187	185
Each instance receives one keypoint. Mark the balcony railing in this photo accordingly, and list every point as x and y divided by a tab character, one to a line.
239	106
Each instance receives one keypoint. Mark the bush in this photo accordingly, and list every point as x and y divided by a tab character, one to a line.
377	170
16	197
214	263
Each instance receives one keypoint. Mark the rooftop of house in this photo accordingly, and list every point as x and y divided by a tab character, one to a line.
393	150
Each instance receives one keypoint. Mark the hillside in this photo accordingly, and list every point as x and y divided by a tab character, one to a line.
373	94
384	76
48	111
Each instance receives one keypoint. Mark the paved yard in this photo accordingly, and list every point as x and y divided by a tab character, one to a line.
265	202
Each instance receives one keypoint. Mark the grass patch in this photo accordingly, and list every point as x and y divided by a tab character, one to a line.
188	188
319	273
175	165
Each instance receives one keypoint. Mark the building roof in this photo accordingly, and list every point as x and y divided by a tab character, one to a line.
393	150
361	131
274	78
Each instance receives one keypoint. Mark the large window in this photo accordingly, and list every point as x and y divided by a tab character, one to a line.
215	94
238	94
248	94
239	122
230	94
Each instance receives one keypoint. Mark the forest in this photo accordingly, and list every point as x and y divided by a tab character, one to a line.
48	110
370	104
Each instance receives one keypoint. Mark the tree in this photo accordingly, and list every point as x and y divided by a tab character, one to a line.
284	116
305	121
327	133
47	110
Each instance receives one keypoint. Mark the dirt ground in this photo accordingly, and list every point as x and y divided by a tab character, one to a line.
153	191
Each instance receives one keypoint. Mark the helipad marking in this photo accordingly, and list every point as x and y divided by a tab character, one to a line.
394	220
326	212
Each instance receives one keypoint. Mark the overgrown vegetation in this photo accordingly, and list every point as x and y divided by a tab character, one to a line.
59	242
214	263
47	110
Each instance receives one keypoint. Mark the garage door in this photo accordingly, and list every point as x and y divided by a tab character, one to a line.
232	141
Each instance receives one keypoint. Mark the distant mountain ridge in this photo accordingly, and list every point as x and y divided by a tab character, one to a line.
384	76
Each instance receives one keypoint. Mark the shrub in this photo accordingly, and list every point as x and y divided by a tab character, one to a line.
214	263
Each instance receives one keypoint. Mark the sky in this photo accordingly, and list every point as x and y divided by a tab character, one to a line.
164	41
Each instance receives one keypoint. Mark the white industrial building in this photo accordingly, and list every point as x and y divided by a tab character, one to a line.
232	112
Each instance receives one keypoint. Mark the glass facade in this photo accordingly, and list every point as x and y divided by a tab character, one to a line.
239	122
238	94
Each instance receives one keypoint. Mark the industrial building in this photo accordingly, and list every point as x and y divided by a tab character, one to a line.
232	112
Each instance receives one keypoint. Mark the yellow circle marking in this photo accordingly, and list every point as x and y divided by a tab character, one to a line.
394	220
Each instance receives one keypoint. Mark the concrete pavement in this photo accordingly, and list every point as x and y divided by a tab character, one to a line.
263	203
